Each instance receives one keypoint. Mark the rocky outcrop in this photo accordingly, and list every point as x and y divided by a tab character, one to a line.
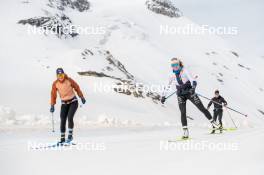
37	21
126	83
261	111
154	96
100	74
80	5
164	7
118	64
244	67
60	25
234	53
110	63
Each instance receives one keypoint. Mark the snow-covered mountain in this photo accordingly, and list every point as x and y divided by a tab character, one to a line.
116	49
135	34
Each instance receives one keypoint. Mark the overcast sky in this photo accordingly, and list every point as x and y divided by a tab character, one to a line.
247	15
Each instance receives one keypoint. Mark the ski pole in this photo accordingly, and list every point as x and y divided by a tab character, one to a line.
171	95
231	118
52	121
222	105
189	117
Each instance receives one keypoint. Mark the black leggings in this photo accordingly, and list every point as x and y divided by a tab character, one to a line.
218	113
67	111
196	101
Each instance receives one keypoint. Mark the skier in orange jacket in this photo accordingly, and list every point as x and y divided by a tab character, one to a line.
66	87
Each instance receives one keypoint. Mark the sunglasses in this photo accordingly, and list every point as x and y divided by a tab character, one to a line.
175	65
60	75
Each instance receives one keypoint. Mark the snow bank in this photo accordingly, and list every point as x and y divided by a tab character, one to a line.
7	115
8	118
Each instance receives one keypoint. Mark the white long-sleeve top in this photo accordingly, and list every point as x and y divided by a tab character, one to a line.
185	77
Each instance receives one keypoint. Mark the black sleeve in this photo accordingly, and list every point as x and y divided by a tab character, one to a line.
224	101
210	103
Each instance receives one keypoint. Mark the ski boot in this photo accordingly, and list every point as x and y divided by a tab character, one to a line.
213	131
221	129
215	125
69	139
62	140
185	133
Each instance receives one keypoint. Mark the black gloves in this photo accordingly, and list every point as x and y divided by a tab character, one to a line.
52	109
83	100
192	90
163	99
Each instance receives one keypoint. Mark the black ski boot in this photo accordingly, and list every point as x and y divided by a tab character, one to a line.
213	131
62	140
185	133
70	138
221	129
215	125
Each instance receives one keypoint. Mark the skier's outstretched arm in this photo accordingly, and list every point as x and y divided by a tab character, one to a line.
224	101
210	103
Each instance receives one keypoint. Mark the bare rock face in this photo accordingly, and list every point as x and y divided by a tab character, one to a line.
261	111
80	5
154	96
118	64
60	25
164	7
38	22
110	67
235	53
244	67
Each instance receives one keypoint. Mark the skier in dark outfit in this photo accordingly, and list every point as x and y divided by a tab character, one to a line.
185	86
66	86
218	100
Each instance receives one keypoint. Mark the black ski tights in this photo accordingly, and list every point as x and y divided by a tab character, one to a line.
218	113
196	101
67	112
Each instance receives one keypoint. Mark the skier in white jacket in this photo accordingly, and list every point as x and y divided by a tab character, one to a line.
185	85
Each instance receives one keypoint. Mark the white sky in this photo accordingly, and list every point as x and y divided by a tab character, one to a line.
247	15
